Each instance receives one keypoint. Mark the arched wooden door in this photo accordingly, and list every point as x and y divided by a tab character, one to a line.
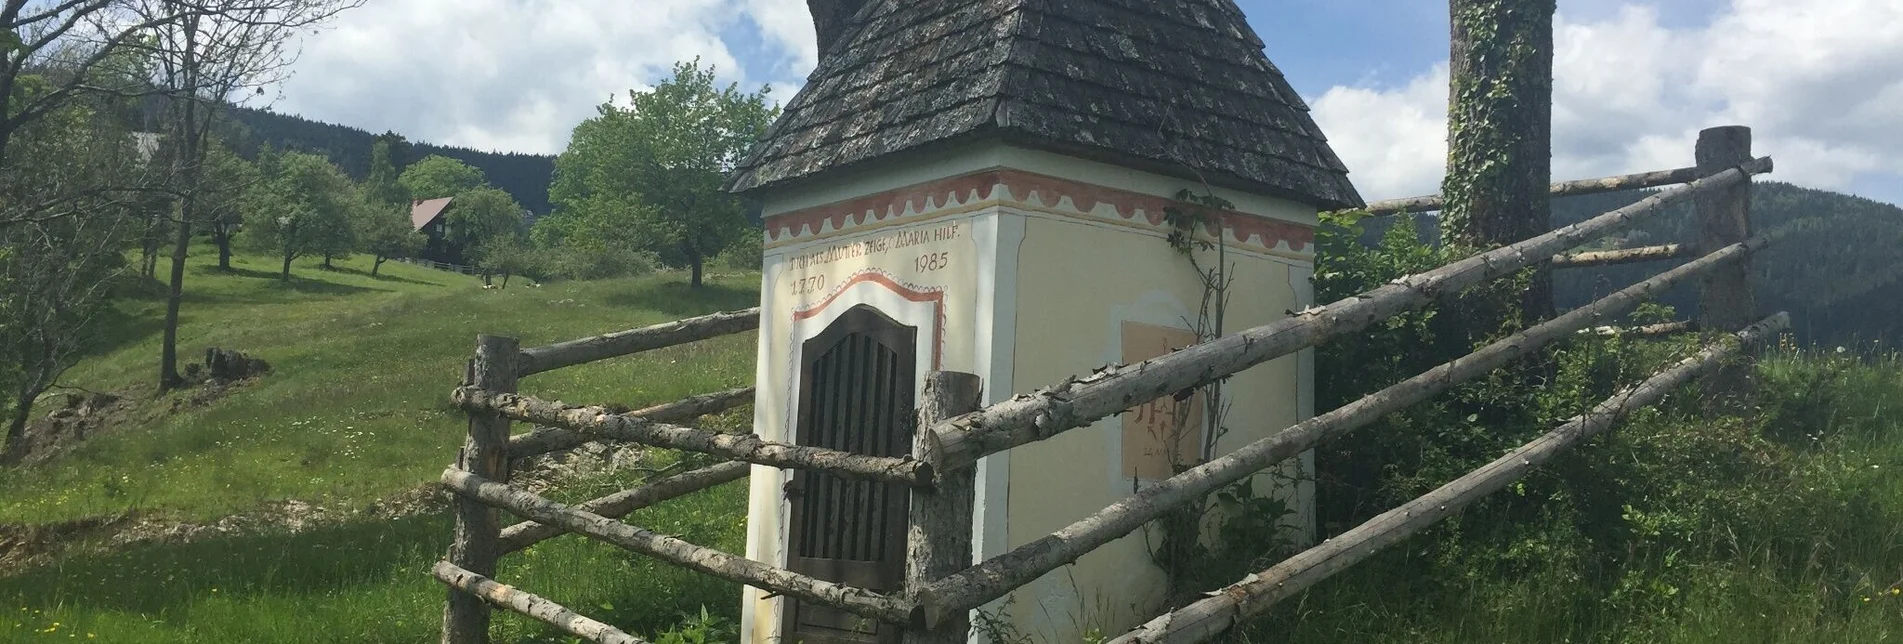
856	395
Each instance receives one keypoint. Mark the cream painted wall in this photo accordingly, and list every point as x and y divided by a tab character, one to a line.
1092	279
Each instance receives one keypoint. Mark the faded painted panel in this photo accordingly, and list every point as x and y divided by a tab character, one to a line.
1166	430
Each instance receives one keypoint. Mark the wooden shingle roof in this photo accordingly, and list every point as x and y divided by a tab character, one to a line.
1177	87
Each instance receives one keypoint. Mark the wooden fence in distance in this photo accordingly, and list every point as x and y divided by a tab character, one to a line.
941	585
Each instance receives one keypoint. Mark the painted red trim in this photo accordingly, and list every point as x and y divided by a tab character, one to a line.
1021	187
936	296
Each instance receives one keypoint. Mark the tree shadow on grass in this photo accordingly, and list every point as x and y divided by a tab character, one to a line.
679	300
386	277
297	285
113	329
165	579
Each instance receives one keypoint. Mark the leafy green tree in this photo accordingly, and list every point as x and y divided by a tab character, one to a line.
650	174
305	210
503	255
385	232
384	184
438	176
228	180
480	215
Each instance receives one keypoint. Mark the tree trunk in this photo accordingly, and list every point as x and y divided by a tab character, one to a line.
286	275
29	392
695	260
1500	123
14	448
377	266
505	280
222	236
168	351
327	265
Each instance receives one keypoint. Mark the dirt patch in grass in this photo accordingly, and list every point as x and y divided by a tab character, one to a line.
26	546
84	415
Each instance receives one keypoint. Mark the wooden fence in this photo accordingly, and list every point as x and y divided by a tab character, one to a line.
941	585
441	266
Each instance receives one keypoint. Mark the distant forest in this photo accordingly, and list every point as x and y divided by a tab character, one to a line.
1841	276
524	176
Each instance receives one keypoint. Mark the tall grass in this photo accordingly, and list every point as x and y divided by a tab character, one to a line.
1785	526
358	582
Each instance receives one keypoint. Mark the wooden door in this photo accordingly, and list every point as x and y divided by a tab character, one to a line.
856	395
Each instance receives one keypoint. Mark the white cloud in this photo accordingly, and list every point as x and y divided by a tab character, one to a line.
1819	81
1394	141
518	74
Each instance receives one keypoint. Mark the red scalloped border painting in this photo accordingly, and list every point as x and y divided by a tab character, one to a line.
1021	187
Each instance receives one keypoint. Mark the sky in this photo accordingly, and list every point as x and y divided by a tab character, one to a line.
1819	81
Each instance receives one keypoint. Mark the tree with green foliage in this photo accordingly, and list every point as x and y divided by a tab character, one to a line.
305	210
479	216
503	255
384	231
228	180
437	176
650	174
384	183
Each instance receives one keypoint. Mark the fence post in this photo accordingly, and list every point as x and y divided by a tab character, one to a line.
1726	303
938	537
479	527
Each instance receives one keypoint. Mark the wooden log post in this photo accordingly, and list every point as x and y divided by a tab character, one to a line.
659	336
485	453
600	423
621	504
548	612
1724	218
555	439
1626	256
938	538
1621	183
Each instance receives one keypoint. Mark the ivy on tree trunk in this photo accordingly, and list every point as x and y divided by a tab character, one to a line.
1500	122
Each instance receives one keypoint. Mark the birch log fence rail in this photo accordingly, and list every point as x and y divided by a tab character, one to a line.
953	433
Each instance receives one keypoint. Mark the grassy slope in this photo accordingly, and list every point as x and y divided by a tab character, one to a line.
354	411
356	407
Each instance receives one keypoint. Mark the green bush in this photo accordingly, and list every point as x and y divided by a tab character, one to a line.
745	253
593	262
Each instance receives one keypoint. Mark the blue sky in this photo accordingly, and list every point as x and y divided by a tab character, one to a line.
1821	81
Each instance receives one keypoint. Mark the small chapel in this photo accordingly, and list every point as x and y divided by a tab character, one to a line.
981	186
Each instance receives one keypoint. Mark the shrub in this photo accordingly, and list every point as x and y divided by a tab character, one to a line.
593	262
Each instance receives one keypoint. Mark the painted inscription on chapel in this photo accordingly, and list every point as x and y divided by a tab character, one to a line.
933	255
1164	430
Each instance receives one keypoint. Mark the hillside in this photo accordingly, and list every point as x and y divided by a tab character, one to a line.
1841	277
524	176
